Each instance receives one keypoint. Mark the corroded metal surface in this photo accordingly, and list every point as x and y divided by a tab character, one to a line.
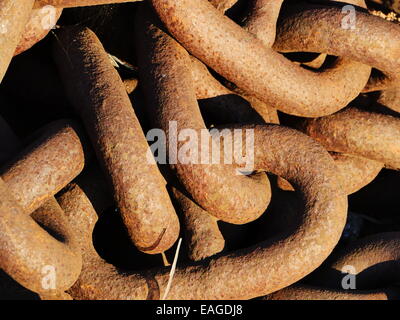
40	23
324	208
27	249
353	172
203	235
320	99
354	131
244	60
373	259
390	98
51	216
225	105
99	96
167	81
77	3
374	41
303	292
14	14
44	167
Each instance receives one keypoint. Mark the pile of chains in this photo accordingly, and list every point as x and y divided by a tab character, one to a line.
306	92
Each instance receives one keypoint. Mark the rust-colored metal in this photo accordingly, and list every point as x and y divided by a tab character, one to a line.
304	292
28	252
202	233
130	85
353	172
14	15
282	151
81	215
244	60
342	149
374	41
98	279
374	260
311	21
261	20
94	184
44	167
354	131
62	296
226	105
379	82
391	4
270	265
77	3
166	79
99	96
390	98
222	5
39	25
51	216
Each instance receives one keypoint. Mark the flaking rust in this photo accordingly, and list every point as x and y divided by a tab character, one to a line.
99	96
319	93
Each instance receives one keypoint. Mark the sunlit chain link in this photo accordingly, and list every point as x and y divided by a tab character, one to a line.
28	182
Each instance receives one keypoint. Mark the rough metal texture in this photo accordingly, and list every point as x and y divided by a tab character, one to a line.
375	260
99	96
130	85
54	219
57	296
273	155
165	77
77	3
353	172
232	106
35	30
44	167
226	105
379	82
94	184
391	4
261	20
51	216
14	15
98	279
315	23
374	41
270	265
389	87
241	58
202	233
222	5
26	249
277	262
390	98
74	201
301	234
304	292
353	131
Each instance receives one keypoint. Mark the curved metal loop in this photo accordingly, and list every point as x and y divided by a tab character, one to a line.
241	58
99	97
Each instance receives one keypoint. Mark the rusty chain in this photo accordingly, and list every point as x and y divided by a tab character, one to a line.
314	83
